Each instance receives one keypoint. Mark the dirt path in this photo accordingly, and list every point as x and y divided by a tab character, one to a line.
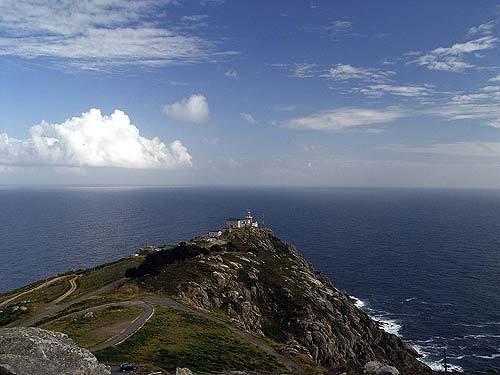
53	309
148	312
70	291
43	285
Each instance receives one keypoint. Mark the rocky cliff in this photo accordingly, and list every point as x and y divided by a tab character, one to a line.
266	286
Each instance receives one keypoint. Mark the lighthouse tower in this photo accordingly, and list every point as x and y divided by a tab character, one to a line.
249	220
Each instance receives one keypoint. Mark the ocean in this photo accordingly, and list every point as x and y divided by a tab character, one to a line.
426	263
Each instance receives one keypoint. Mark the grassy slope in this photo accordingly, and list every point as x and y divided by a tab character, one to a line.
100	276
33	301
88	332
173	339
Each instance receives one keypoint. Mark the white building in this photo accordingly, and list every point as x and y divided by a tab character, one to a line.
235	222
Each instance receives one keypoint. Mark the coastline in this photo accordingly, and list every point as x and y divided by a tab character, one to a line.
394	326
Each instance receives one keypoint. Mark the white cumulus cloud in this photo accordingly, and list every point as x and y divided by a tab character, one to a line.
193	109
92	140
344	118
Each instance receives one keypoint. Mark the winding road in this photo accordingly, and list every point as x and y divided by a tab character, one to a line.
147	304
73	287
52	309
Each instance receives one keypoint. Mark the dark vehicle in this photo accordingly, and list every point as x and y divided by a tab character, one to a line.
126	367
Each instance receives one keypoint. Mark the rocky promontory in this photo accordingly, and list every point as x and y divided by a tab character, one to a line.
244	302
265	286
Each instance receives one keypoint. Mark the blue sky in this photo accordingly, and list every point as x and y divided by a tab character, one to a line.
297	92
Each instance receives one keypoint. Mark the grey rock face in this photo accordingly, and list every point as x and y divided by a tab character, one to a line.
28	351
377	368
183	371
266	286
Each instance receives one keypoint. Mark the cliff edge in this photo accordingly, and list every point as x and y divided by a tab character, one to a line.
265	286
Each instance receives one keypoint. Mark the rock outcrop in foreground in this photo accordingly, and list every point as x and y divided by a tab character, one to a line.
28	351
266	286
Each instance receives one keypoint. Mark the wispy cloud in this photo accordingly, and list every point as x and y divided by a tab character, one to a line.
343	72
193	109
332	29
457	57
479	149
479	105
194	18
92	140
337	27
212	2
194	22
304	70
248	118
344	118
95	33
232	73
483	29
412	91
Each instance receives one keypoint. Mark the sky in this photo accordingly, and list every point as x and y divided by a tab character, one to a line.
231	92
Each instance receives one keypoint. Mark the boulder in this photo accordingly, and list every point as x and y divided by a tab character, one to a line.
89	315
183	371
28	351
377	368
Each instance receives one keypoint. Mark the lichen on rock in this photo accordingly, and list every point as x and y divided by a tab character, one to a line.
28	351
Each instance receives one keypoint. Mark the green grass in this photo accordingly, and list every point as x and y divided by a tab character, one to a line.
42	295
8	316
174	339
88	332
100	276
37	299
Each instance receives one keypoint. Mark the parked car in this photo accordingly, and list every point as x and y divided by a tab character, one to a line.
126	367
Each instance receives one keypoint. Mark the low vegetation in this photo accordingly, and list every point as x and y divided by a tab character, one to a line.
98	277
94	328
155	261
174	339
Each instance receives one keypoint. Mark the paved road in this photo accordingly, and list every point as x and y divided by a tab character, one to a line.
133	327
70	291
136	325
43	285
148	312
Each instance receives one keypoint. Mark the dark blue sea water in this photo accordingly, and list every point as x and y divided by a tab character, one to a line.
425	262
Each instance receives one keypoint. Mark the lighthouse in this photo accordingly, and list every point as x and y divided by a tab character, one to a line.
246	221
